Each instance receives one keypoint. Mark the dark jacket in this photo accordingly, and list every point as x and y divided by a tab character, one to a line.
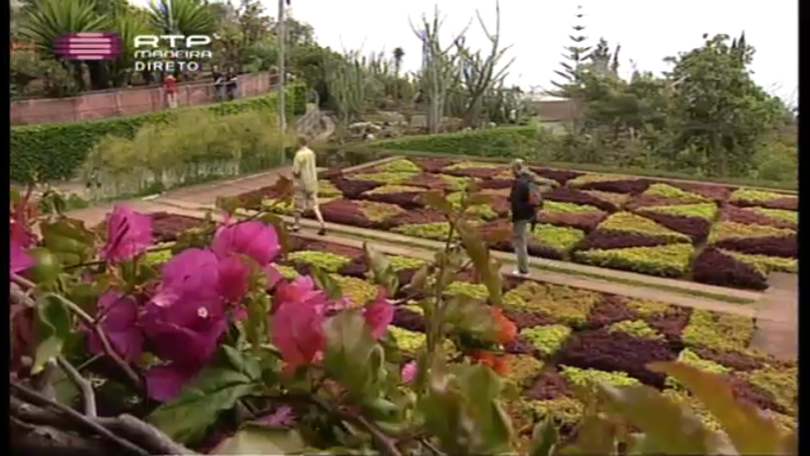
519	199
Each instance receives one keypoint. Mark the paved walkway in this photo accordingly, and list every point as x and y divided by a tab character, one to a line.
778	317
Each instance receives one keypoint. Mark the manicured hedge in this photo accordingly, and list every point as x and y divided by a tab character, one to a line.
56	151
495	142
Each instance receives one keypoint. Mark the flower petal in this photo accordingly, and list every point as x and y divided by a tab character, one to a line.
298	333
120	323
233	278
129	233
283	416
409	372
379	315
164	383
254	239
20	260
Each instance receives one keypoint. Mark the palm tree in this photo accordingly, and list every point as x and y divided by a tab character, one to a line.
399	53
186	17
45	21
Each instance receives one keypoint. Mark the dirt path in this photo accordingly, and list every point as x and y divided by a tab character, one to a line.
778	317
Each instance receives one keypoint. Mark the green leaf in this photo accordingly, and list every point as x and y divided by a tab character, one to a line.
242	363
544	438
486	269
254	439
595	435
230	204
69	240
668	427
53	325
436	200
186	418
419	278
470	315
381	269
750	432
325	282
349	352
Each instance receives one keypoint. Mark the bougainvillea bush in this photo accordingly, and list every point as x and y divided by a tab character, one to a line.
613	211
234	343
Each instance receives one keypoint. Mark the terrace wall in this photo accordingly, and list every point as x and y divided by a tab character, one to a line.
128	102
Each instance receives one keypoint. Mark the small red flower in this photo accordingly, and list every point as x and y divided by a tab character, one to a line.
507	330
498	364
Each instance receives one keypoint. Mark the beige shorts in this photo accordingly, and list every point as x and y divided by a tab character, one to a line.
303	201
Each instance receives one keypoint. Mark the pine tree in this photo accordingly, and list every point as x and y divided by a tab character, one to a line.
576	55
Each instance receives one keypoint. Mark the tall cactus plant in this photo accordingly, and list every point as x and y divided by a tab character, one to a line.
439	68
347	82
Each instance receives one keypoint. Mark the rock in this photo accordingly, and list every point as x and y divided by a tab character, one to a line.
393	117
419	121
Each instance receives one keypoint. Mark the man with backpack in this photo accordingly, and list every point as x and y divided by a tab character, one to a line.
526	199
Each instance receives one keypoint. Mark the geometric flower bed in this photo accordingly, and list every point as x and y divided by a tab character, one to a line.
568	336
651	226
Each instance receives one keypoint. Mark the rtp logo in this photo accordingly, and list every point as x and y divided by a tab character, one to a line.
90	46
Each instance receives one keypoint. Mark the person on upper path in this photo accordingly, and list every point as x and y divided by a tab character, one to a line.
525	200
170	84
305	185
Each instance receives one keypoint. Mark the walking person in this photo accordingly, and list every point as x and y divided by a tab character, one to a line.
170	85
305	185
218	83
525	200
230	84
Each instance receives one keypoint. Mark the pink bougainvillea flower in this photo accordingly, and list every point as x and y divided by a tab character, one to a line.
274	277
409	372
283	416
379	315
120	323
20	260
301	291
298	323
186	318
233	278
253	239
129	234
164	383
194	271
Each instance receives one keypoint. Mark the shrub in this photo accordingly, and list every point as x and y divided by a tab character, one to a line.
418	216
694	227
472	165
568	208
389	189
714	267
401	263
483	211
352	189
157	257
436	231
346	212
579	197
616	352
627	222
563	304
585	377
495	142
719	331
561	239
706	211
400	165
326	261
791	217
32	147
635	328
606	240
385	177
472	290
379	212
749	216
584	222
564	412
767	264
751	197
777	246
358	291
733	230
608	183
616	199
665	261
524	368
547	339
782	383
611	309
668	191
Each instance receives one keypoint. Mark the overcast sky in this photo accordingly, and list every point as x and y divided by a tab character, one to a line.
538	30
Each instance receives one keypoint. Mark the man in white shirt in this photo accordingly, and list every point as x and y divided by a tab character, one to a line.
305	185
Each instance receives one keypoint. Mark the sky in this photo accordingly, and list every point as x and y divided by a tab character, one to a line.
538	31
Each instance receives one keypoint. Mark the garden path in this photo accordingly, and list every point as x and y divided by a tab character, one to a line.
778	317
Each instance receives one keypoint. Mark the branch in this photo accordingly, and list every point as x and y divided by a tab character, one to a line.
89	321
88	395
37	399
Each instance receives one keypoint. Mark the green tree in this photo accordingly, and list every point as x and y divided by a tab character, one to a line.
720	114
576	55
